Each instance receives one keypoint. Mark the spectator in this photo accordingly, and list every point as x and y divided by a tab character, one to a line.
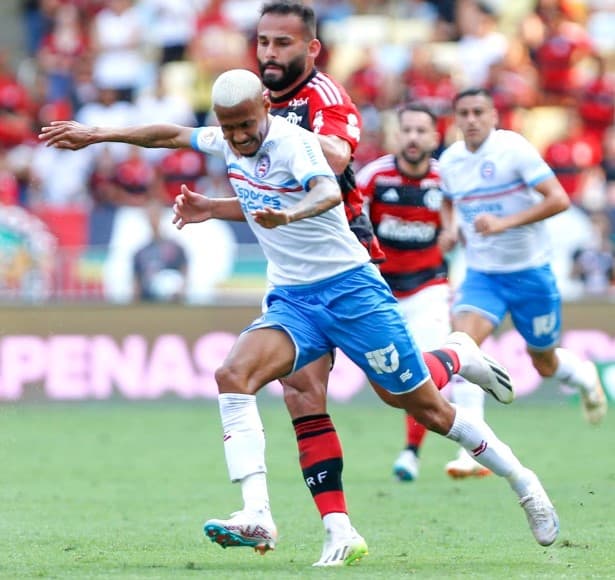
171	25
574	156
117	39
594	264
61	48
480	44
159	267
596	100
557	43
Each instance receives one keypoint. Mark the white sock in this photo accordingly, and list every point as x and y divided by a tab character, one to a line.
338	523
244	447
468	396
573	371
476	437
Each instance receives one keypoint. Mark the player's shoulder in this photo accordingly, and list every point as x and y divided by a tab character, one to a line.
507	138
454	151
327	90
383	164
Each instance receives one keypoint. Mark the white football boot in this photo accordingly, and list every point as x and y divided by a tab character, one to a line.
541	514
465	466
480	369
594	402
244	529
342	550
406	466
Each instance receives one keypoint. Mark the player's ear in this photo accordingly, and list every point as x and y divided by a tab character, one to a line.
313	48
266	103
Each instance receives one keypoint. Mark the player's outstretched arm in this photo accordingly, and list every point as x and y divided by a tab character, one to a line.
73	135
324	194
191	207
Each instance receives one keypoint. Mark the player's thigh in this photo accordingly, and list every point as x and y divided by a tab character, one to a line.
301	322
535	308
428	315
259	355
365	321
478	306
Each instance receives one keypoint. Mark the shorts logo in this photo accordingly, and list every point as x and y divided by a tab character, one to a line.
487	170
544	325
263	164
383	360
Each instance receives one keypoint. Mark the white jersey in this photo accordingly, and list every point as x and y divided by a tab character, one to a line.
277	176
498	178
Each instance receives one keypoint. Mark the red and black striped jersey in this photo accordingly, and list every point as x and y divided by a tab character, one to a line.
405	213
321	105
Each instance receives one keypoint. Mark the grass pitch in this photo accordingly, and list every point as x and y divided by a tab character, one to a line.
121	491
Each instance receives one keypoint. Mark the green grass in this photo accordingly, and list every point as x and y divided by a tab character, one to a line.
121	490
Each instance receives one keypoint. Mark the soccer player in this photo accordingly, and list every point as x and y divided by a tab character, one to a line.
403	197
286	52
503	191
324	294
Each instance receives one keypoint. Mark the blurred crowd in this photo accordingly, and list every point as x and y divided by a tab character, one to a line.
550	65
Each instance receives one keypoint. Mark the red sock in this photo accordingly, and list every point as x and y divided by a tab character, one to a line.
442	365
415	433
320	457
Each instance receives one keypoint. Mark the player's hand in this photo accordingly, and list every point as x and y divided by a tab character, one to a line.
447	239
67	135
270	218
489	224
190	207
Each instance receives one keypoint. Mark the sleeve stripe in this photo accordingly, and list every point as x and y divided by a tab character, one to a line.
327	90
367	173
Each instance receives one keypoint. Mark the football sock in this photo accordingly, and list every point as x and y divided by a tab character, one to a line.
468	396
572	371
480	441
415	433
244	447
337	523
442	365
320	456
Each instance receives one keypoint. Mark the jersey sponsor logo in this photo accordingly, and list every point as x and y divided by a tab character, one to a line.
293	118
251	199
468	213
393	228
299	102
487	170
433	199
544	325
390	196
263	164
383	360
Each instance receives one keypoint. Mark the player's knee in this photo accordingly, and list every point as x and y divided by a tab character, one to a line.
230	380
545	365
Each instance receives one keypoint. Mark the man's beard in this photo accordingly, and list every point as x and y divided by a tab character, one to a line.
419	157
290	73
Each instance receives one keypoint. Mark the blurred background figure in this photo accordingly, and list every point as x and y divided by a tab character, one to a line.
160	267
594	264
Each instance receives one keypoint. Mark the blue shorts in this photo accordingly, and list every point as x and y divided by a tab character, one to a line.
356	312
531	296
